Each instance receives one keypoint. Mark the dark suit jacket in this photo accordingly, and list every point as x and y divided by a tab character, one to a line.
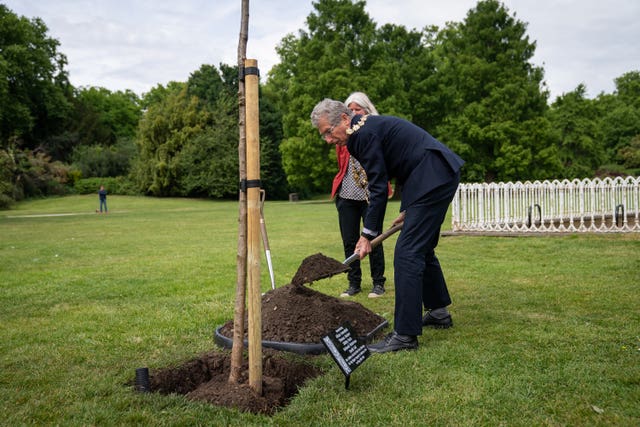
388	147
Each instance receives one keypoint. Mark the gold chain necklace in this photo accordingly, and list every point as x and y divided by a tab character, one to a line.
358	125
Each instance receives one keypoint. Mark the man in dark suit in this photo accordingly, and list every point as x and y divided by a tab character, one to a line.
429	173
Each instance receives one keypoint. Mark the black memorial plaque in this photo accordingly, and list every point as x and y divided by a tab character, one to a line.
345	348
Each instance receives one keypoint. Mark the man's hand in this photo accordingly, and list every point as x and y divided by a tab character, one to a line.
399	219
363	247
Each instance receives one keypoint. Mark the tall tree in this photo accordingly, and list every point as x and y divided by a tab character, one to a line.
340	52
99	139
576	119
402	64
34	86
323	62
102	117
620	118
491	98
210	84
34	105
165	129
272	176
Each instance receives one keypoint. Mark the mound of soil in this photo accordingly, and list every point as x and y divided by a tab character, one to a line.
299	314
292	313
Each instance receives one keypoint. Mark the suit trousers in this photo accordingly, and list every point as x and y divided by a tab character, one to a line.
419	280
350	215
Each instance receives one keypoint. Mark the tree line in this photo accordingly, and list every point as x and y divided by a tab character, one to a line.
471	84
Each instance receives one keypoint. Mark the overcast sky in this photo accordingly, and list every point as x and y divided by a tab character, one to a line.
138	44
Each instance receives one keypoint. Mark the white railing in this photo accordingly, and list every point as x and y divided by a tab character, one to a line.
599	205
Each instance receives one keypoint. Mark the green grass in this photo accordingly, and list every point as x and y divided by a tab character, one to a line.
547	329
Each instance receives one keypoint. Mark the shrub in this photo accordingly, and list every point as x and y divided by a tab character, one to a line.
37	176
101	161
114	185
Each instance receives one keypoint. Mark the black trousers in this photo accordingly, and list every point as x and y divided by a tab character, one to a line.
350	215
419	280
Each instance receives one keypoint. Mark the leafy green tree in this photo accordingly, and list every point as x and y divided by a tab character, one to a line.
37	175
630	155
576	119
619	117
188	138
34	107
274	180
217	91
164	130
207	166
341	51
210	164
7	184
99	136
210	85
102	117
402	64
319	63
628	88
34	87
105	161
492	103
206	84
159	93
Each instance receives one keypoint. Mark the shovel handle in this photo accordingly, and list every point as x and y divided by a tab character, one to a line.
375	242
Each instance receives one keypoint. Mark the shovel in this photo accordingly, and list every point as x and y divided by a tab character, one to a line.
318	266
375	242
265	240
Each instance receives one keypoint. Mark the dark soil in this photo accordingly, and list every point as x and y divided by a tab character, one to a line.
299	314
293	313
206	378
316	267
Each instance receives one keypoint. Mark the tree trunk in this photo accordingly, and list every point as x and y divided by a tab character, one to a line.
238	317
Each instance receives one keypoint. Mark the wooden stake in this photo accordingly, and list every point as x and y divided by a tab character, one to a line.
253	225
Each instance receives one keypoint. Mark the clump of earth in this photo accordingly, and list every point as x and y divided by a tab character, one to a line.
293	313
316	267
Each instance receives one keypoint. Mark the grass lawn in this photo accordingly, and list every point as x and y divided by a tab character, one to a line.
547	329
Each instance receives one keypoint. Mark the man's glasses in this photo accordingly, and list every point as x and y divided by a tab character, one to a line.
328	133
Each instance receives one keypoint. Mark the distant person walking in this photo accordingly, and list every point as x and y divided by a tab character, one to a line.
102	194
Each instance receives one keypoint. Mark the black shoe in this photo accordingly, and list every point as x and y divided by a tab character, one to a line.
394	342
444	323
377	291
351	291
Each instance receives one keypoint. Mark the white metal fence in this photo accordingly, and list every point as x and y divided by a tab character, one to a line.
599	205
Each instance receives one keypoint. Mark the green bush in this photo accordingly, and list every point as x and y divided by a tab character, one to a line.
101	161
7	167
613	170
118	185
36	175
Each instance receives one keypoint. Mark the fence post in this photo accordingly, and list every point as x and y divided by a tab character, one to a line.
530	211
619	214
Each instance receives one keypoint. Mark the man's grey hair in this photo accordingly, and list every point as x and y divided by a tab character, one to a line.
331	109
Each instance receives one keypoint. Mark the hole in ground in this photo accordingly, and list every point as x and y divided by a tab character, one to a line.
205	378
291	314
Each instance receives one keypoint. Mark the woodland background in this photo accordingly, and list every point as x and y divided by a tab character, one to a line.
471	84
